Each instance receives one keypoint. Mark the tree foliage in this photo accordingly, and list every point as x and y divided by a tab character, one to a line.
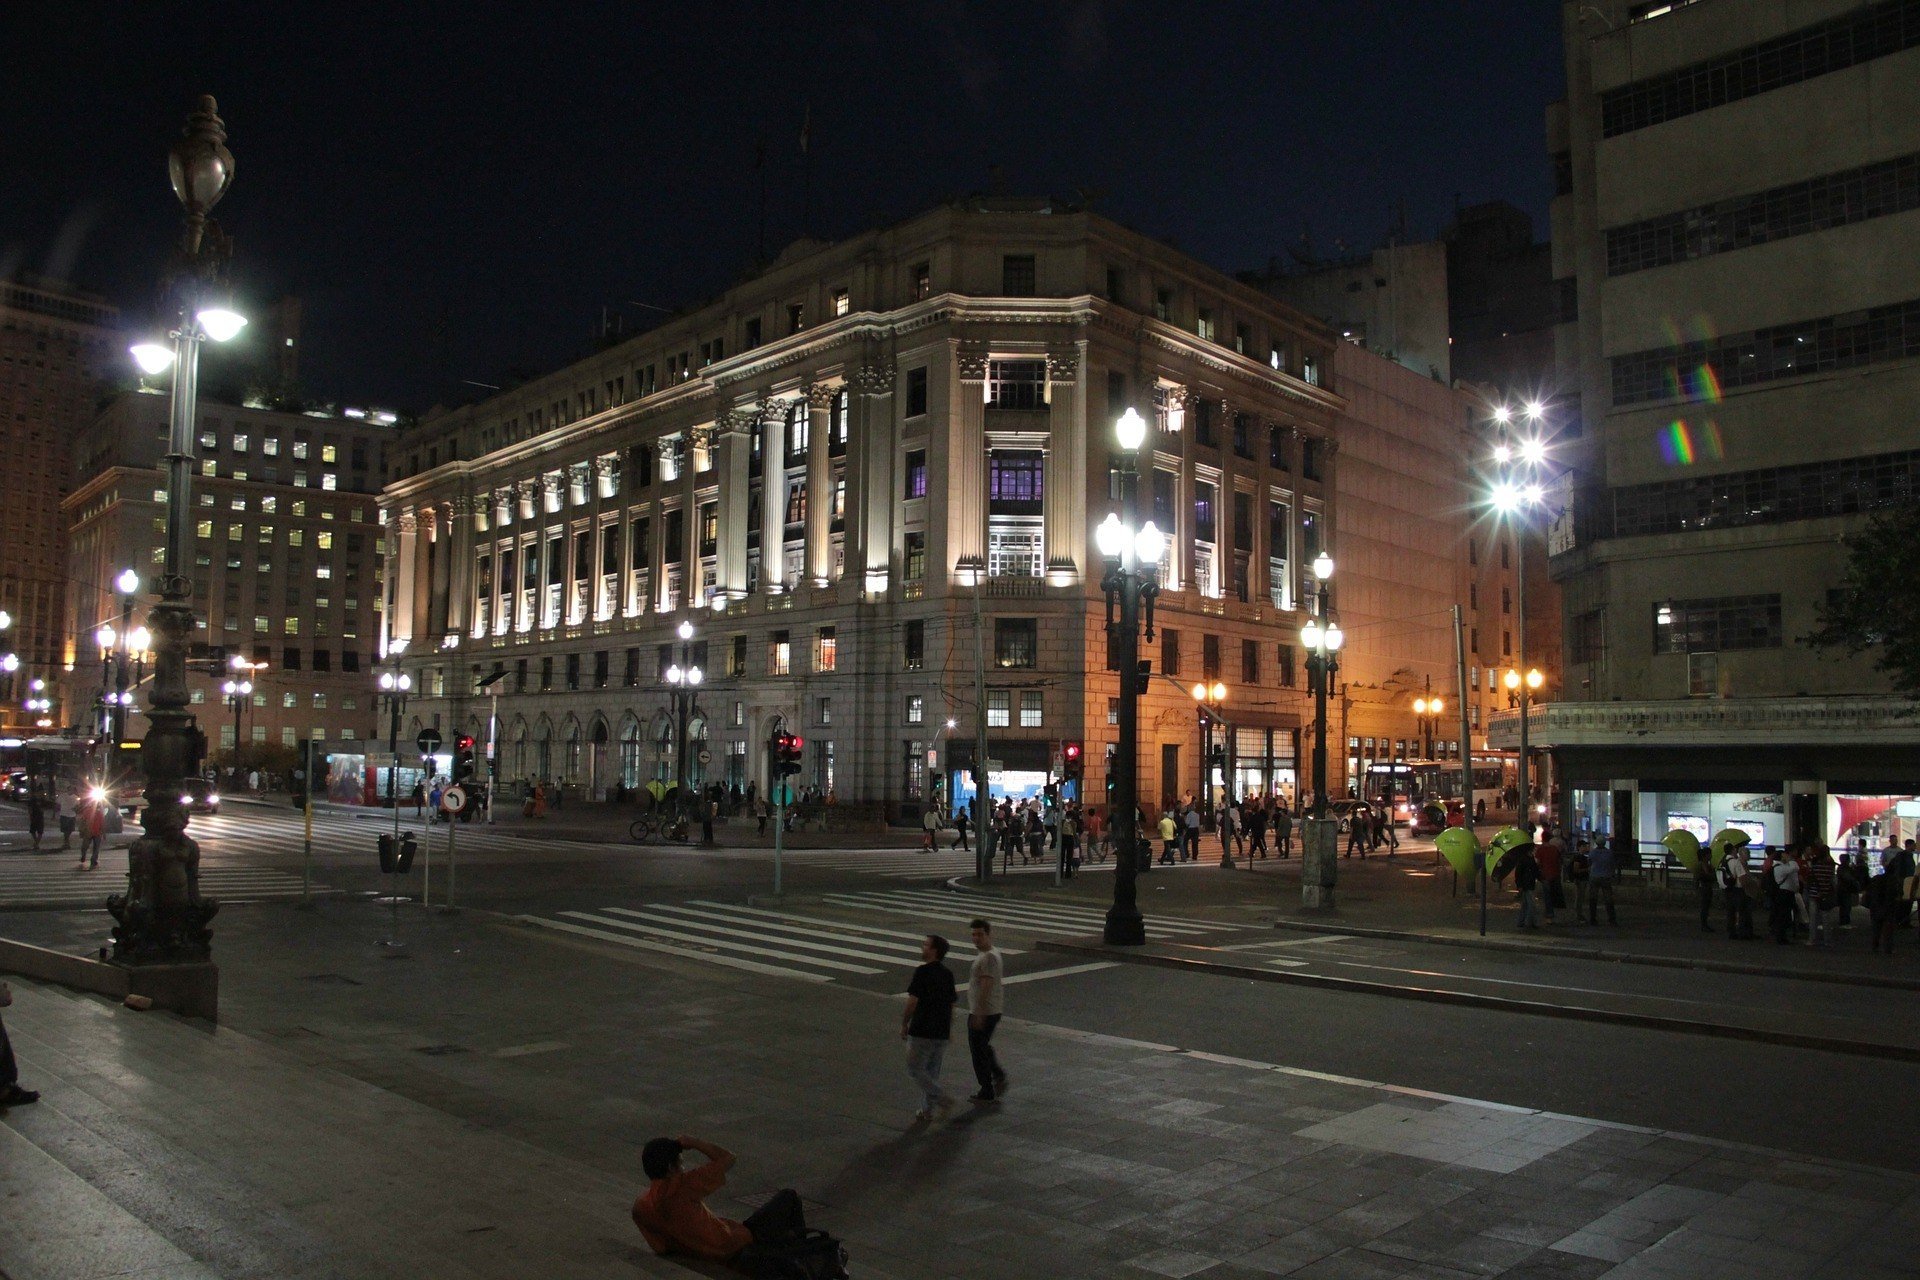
1877	605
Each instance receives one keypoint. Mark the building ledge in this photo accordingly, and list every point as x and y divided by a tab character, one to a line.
1871	718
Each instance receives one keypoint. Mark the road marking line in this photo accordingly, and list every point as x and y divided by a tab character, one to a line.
1514	982
1059	973
644	944
1021	912
527	1050
641	926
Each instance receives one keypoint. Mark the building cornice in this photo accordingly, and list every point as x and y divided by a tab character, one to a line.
1684	722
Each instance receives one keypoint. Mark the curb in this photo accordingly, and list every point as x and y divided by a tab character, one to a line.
1505	1004
1602	954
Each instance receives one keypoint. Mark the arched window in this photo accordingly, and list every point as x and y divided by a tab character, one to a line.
630	753
543	751
573	750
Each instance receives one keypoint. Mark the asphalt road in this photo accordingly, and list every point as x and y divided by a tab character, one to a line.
853	917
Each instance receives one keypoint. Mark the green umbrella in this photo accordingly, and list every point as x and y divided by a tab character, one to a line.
1684	845
1460	847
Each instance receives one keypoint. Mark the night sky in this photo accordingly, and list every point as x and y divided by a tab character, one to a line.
457	191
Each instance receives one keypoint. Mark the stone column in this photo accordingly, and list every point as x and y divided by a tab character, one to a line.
425	528
819	538
461	512
1065	505
402	558
773	493
872	484
606	484
1181	539
964	472
730	465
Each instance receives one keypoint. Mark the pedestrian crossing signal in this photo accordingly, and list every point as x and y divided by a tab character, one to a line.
1072	757
463	759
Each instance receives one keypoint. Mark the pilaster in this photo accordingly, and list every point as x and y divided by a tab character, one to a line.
1065	505
819	544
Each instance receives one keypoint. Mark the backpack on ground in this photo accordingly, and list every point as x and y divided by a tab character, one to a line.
812	1255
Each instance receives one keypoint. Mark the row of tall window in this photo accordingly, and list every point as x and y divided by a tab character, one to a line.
1848	40
1796	209
1701	370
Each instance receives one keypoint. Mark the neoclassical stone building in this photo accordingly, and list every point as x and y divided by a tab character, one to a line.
808	467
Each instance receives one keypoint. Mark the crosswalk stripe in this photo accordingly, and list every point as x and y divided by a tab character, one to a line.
748	948
959	950
1092	914
645	944
671	915
954	906
808	927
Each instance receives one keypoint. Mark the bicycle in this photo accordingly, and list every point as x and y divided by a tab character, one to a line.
647	827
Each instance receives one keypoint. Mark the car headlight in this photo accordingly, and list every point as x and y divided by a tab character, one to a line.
213	799
186	799
97	794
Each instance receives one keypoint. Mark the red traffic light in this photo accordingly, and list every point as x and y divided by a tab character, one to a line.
1070	750
465	742
795	742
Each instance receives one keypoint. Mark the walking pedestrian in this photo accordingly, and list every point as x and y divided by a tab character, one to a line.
11	1094
1526	882
1820	899
1579	869
1283	832
985	1004
1548	855
92	817
1733	892
1892	892
1783	883
927	1025
1359	831
960	822
1703	889
930	824
1169	838
1602	870
36	815
1069	853
1190	852
1257	820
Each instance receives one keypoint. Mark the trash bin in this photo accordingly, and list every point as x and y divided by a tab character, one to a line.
386	855
408	847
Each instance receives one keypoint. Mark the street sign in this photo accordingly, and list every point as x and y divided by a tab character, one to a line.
428	741
783	794
705	756
453	799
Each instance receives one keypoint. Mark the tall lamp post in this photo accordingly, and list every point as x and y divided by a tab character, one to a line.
685	679
107	638
1131	584
128	585
1207	699
394	687
1427	711
239	693
1516	490
162	917
1322	638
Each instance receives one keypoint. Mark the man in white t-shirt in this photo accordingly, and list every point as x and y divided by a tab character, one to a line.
985	1004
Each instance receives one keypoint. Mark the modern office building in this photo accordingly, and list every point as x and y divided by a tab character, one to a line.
1740	209
57	345
286	568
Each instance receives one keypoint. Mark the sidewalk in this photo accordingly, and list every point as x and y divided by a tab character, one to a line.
462	1114
599	823
1413	897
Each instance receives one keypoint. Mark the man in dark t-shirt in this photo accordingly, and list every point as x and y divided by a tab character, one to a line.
927	1025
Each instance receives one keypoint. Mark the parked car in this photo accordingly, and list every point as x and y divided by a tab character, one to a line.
16	787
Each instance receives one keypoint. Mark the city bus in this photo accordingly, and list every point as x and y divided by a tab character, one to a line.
1407	784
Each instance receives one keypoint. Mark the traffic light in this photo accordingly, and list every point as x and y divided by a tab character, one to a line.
1113	774
787	749
1072	757
463	759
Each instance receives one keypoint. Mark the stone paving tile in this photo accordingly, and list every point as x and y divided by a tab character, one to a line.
1172	1262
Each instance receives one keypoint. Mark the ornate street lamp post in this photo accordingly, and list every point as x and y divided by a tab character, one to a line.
1427	711
238	692
1131	584
685	679
1518	489
1322	638
1207	699
162	917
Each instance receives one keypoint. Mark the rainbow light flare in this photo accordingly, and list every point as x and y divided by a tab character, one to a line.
1682	444
1706	385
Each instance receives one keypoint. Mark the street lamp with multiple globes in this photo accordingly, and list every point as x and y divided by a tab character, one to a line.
684	678
1427	711
1207	699
394	687
1321	636
239	693
1517	490
162	917
1131	584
